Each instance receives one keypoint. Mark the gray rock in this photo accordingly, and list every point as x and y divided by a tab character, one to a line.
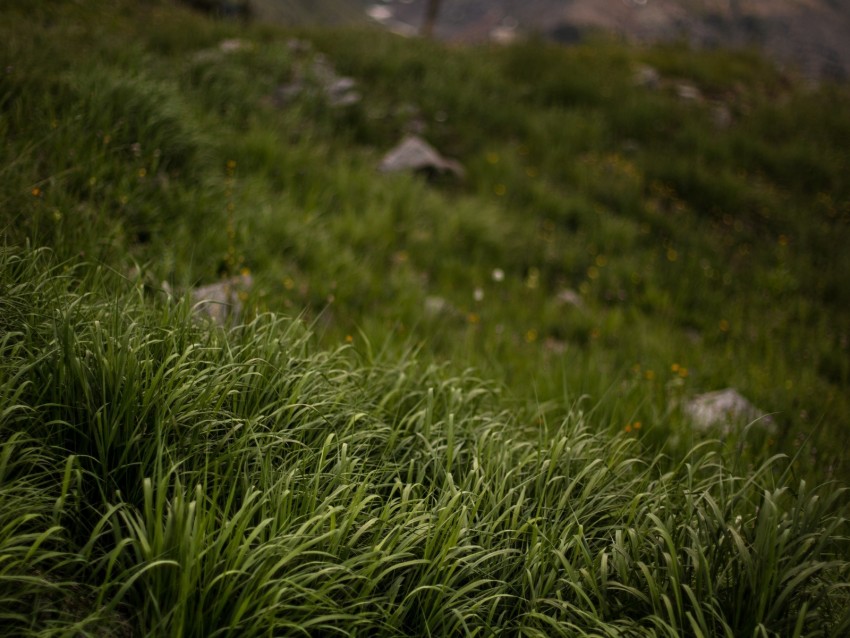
688	92
726	410
414	154
318	78
570	298
221	301
721	116
647	77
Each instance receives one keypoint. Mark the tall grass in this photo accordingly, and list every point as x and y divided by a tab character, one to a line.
184	481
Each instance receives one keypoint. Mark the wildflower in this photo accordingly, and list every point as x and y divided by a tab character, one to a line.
492	158
649	375
724	325
683	372
672	255
533	278
498	274
478	294
473	318
288	283
531	336
231	164
36	191
601	261
783	240
628	428
349	339
531	172
500	189
674	367
593	272
142	172
637	425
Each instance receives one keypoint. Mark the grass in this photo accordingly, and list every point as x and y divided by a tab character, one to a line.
182	481
418	430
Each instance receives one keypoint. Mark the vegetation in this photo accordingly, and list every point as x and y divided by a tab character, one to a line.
453	407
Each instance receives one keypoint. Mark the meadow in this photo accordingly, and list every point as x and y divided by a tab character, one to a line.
451	406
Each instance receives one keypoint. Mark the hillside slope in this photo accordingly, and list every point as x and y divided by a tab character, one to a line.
447	405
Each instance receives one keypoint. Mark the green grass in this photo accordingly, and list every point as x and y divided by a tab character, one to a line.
352	461
165	479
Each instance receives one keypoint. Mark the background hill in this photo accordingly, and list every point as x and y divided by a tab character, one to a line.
812	35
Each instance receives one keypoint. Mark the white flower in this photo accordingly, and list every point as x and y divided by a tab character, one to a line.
498	274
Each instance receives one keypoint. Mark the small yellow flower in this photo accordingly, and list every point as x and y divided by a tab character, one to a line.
649	375
683	372
724	325
500	189
36	191
637	425
492	158
349	339
531	336
473	318
675	367
672	255
628	428
231	164
142	172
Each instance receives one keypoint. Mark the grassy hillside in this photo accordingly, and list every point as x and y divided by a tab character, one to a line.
456	406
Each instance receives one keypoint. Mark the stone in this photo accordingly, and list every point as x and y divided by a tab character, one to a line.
688	92
413	154
728	411
570	298
234	45
318	78
647	77
721	116
221	301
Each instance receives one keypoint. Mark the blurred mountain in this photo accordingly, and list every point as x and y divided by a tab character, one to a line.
311	12
811	35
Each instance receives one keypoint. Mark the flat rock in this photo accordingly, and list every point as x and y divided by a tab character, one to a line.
413	154
726	410
221	301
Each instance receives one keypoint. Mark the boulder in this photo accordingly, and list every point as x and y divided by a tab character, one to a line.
318	77
413	154
726	410
221	301
647	77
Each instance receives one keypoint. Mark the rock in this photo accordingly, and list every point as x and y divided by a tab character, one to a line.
415	155
721	116
232	45
221	301
440	308
647	77
317	78
688	92
727	410
570	298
